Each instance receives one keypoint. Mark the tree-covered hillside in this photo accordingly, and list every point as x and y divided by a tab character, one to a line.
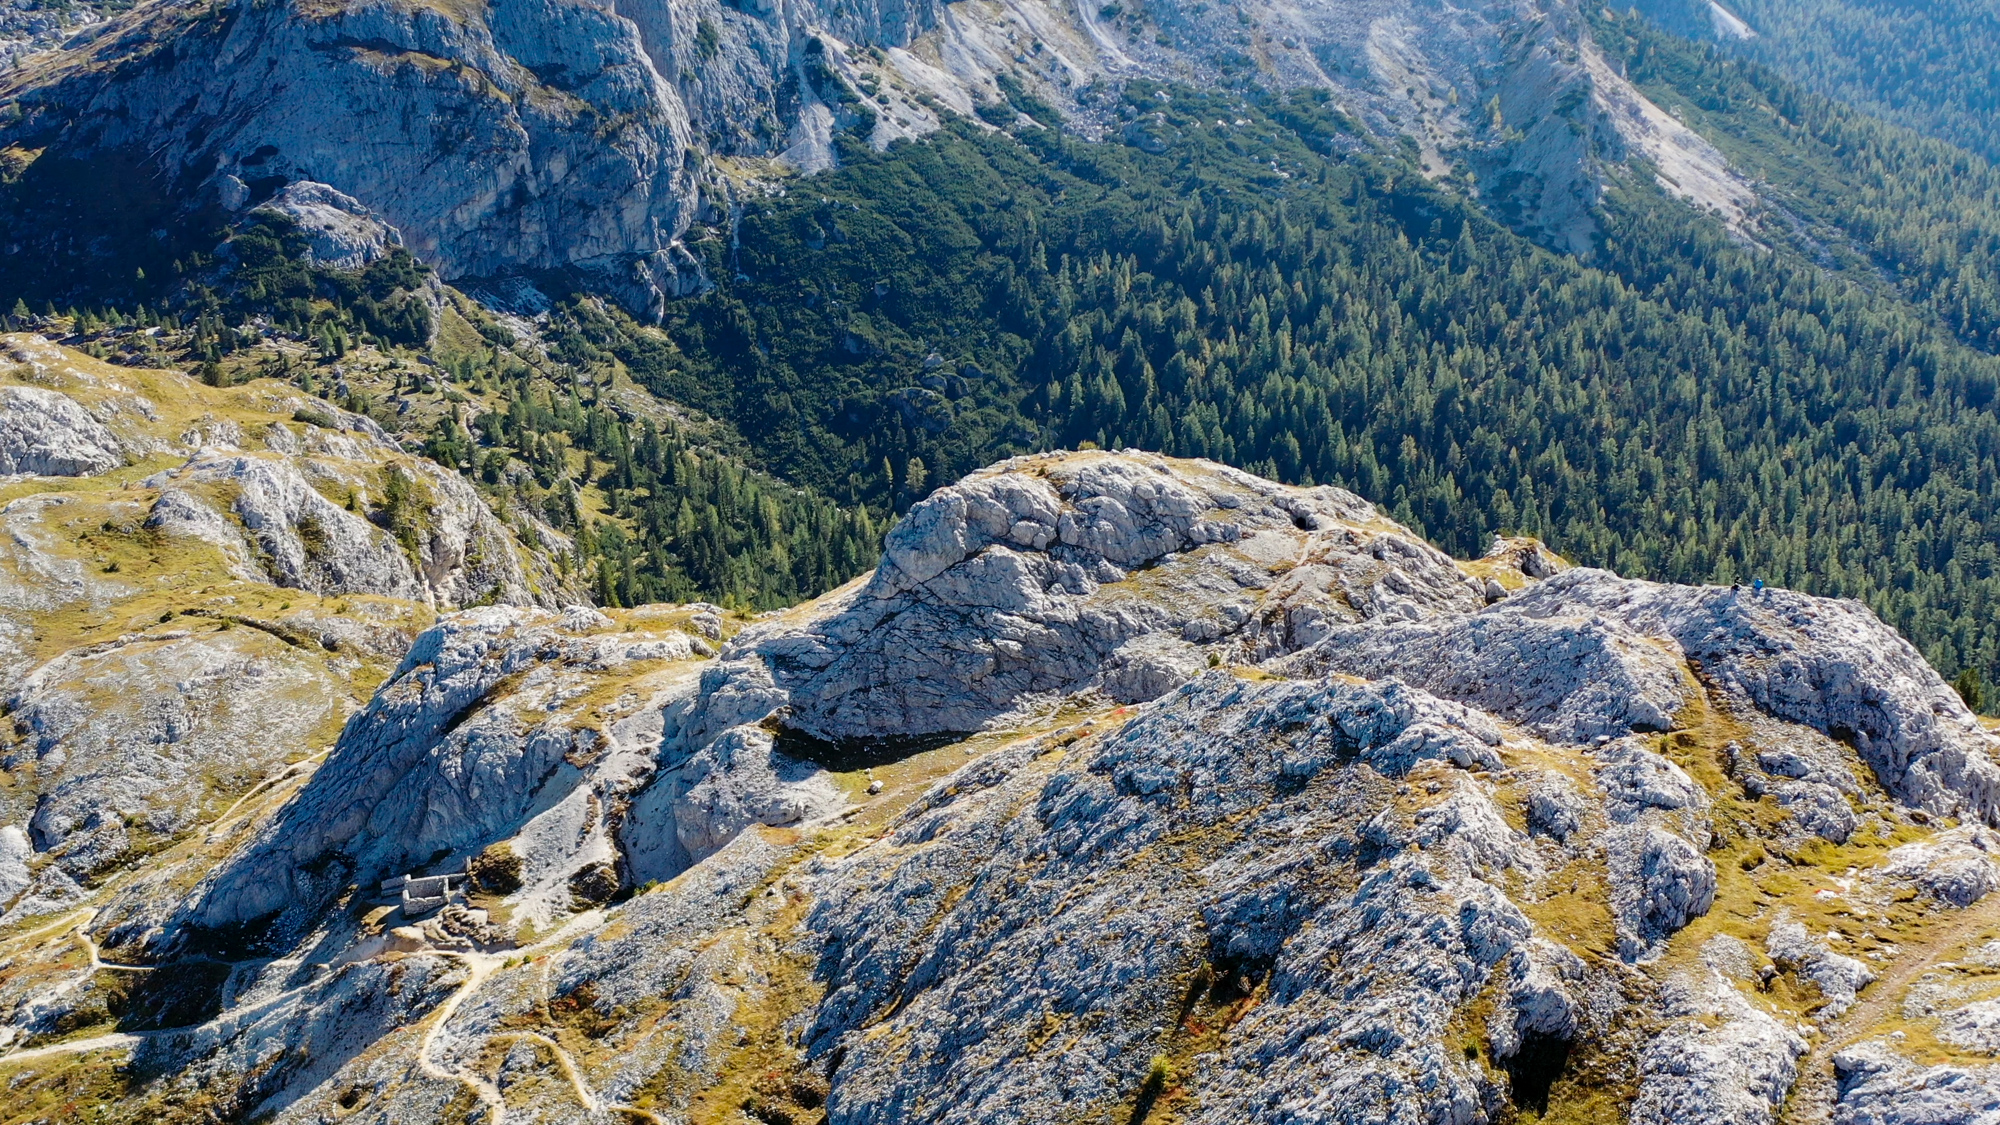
1932	66
1872	200
1688	408
1811	401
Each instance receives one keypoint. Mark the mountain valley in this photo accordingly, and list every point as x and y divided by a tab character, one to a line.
1144	562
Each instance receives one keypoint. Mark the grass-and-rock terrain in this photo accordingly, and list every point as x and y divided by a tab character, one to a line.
197	587
1123	789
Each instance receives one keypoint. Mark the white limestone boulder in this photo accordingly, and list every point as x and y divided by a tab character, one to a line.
48	433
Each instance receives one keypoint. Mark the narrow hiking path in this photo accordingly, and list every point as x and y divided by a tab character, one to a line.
134	1038
96	962
589	1099
76	924
1812	1098
117	1039
301	770
64	922
481	966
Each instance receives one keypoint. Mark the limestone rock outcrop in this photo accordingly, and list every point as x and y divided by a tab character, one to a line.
341	233
1838	977
531	135
1720	1060
176	641
1020	582
443	543
196	708
1957	867
1827	664
46	433
1572	678
439	764
1049	848
1881	1087
303	539
1122	782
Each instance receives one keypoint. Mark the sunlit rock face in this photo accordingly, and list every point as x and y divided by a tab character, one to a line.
1122	784
509	139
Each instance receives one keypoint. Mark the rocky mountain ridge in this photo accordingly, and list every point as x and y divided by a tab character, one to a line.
505	141
1124	788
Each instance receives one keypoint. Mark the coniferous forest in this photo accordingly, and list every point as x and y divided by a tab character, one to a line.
1933	67
1810	399
1814	405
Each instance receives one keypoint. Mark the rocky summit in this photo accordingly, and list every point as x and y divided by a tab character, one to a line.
522	141
1124	789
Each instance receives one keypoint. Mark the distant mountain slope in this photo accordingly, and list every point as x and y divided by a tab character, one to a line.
528	137
1870	200
1688	407
1932	66
1487	304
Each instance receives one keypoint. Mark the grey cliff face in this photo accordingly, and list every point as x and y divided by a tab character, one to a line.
525	136
372	799
534	135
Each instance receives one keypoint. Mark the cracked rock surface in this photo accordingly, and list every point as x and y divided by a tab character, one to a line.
46	433
1015	587
1123	784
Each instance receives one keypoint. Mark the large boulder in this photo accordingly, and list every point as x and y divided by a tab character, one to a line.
48	433
340	233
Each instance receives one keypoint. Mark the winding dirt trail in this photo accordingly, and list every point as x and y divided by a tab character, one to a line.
1812	1098
96	962
301	770
64	922
481	966
77	923
589	1099
115	1040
